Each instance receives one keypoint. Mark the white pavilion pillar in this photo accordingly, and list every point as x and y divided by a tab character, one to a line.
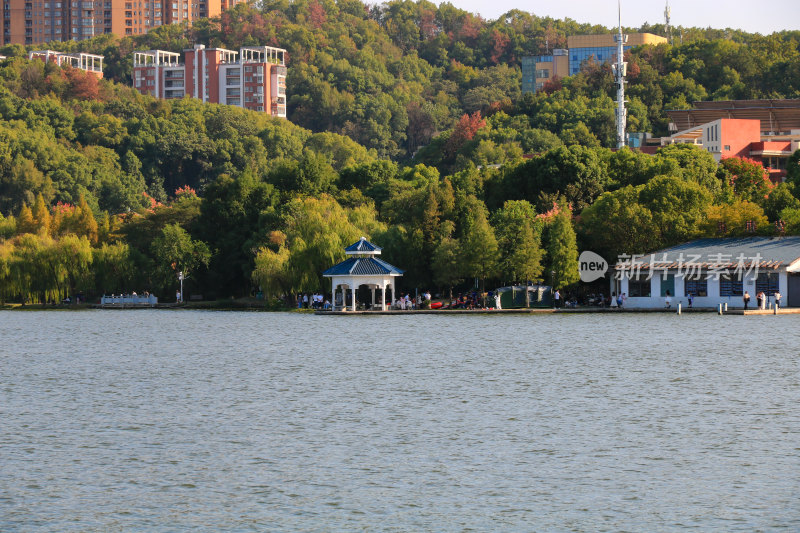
353	292
333	296
373	299
383	297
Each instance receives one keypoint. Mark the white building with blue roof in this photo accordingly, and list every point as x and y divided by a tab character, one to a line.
713	272
362	268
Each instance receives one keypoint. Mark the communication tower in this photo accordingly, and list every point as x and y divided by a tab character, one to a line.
667	27
620	70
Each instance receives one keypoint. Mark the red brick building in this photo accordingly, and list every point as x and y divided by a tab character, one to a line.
253	78
735	136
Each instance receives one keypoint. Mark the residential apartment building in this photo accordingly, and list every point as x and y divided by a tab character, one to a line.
537	70
40	21
253	78
88	62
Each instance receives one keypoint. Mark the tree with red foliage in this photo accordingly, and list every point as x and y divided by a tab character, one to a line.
471	28
463	132
499	44
82	85
552	85
316	14
750	180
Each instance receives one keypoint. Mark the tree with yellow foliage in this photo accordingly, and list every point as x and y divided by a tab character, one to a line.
41	216
731	220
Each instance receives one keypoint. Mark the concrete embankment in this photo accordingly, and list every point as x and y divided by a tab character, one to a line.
557	311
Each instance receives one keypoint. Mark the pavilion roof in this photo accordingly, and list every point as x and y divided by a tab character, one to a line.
363	246
363	266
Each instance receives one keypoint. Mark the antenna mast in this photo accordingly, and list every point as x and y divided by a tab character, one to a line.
668	28
620	69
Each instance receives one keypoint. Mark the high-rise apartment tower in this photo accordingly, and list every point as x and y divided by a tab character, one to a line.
253	78
40	21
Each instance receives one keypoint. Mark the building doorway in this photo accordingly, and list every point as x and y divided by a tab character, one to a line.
793	298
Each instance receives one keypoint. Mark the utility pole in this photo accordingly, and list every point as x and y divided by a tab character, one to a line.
620	69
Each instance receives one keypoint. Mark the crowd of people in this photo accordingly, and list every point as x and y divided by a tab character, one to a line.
316	301
491	300
762	299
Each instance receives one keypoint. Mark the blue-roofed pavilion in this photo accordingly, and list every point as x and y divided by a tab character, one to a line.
362	268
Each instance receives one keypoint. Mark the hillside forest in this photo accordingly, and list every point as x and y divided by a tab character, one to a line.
406	125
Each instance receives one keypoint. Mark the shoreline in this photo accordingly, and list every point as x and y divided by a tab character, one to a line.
247	306
584	310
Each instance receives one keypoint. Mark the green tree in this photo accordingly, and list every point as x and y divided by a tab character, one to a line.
793	170
479	250
519	240
446	262
779	198
562	251
618	224
175	251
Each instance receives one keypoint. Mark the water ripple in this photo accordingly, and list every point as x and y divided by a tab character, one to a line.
179	421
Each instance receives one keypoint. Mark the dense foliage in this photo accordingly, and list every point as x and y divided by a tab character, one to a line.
406	126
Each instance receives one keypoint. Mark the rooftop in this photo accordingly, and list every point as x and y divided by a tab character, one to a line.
363	246
771	252
775	115
363	266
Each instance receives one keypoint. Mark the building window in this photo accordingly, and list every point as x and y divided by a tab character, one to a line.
695	286
727	147
767	282
639	287
730	285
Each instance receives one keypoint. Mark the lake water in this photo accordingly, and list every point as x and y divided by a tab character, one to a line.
210	421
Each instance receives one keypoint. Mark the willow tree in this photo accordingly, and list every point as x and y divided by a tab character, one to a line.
113	268
43	269
317	232
6	288
272	272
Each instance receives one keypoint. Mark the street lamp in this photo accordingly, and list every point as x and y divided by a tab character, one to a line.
180	277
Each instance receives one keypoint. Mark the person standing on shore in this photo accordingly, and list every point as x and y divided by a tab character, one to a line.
777	299
690	298
746	299
557	299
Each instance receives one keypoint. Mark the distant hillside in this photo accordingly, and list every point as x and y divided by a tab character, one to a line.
394	76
